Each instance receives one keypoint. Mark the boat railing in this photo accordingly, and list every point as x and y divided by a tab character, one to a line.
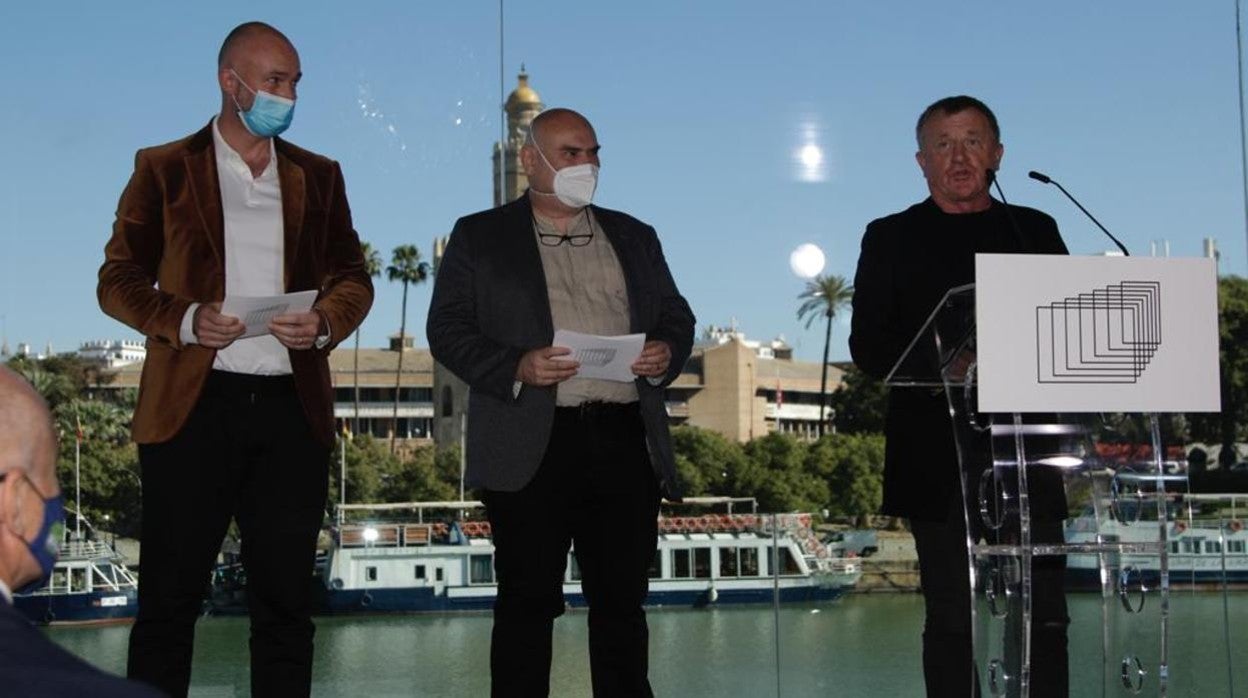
86	549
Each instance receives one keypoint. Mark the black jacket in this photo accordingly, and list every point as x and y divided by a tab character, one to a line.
490	306
908	261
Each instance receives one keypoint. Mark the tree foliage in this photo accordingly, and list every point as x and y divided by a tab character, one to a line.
1228	426
374	475
407	268
842	473
860	403
824	296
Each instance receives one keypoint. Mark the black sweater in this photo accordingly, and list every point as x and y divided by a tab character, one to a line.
908	261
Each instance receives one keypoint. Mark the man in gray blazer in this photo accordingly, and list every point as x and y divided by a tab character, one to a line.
561	459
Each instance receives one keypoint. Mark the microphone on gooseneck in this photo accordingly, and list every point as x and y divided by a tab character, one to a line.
1018	232
1045	179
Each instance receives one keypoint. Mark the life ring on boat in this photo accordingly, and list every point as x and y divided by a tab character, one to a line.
1180	526
1236	525
821	553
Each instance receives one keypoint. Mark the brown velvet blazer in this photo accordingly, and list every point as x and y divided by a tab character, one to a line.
167	250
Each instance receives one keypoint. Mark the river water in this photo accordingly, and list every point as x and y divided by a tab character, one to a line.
861	645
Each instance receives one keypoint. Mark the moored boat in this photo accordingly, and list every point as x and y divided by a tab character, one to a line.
380	564
1205	550
89	584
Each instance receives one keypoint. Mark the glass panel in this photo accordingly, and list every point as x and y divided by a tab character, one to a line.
681	569
749	562
727	562
656	565
701	562
481	569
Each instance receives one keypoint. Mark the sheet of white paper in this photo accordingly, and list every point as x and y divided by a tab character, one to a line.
256	311
606	358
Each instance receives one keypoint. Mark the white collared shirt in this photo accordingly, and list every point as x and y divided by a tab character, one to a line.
251	210
6	592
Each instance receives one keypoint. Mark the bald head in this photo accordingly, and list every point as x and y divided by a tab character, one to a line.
244	34
27	440
554	120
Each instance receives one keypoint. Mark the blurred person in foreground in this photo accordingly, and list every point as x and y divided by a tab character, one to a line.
32	515
234	427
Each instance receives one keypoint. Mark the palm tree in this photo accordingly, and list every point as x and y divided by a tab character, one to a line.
372	266
825	296
406	267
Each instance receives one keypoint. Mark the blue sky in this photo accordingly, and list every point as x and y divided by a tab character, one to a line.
700	107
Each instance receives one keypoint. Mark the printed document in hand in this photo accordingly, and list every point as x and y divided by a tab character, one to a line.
256	311
607	358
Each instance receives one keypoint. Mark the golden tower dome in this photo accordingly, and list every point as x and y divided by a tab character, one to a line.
523	97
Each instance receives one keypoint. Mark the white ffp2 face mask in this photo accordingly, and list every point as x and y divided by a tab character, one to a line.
575	185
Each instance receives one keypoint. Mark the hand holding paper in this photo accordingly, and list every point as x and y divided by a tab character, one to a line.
257	311
605	358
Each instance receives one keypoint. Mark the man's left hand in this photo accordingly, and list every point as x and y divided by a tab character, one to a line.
654	359
296	331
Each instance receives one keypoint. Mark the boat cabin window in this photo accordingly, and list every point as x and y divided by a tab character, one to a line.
1213	546
420	571
749	562
370	574
77	579
574	568
481	569
60	580
702	563
681	569
728	562
1188	547
1235	546
1174	547
656	565
788	564
105	575
437	574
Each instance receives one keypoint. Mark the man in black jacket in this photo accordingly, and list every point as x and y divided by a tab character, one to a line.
909	260
562	458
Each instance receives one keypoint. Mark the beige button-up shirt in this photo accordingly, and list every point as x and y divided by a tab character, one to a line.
587	294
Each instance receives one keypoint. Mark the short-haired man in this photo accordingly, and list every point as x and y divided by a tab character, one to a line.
31	522
563	459
908	261
227	426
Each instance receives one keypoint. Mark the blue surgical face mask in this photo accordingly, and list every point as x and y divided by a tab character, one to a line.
46	545
269	115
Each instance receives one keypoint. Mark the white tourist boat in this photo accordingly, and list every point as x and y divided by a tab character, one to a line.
378	564
1203	549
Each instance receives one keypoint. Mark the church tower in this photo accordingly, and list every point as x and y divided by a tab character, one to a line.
522	105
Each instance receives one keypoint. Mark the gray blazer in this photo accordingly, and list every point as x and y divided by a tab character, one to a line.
490	306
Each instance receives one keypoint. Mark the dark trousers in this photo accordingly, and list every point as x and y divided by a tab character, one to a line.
246	453
948	667
596	490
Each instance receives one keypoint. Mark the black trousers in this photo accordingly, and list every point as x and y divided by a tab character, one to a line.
948	667
596	490
246	453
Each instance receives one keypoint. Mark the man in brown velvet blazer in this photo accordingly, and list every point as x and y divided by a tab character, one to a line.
231	427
